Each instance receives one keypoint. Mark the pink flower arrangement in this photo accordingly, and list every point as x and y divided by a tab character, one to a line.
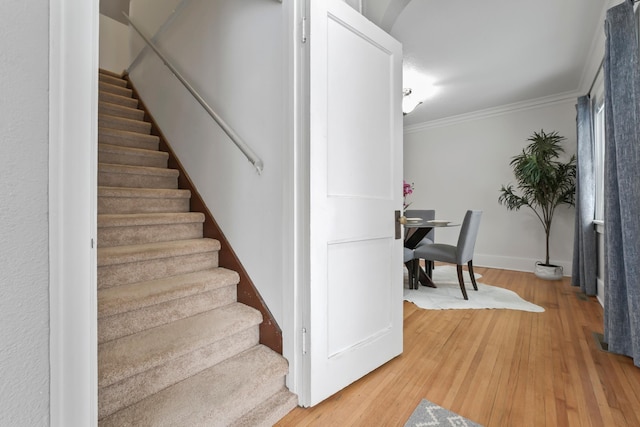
406	190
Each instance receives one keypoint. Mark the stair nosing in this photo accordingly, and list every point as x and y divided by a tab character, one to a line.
127	133
116	168
130	110
136	122
109	73
132	151
100	91
144	219
126	254
143	193
118	88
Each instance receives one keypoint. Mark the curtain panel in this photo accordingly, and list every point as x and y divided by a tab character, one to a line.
622	183
585	258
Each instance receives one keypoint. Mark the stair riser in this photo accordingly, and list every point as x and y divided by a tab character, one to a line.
121	123
112	80
121	274
120	111
124	324
117	90
131	140
134	235
137	387
117	99
224	416
124	205
270	411
129	159
128	180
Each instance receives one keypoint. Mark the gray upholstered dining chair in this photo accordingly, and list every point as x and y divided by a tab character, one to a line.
425	214
460	254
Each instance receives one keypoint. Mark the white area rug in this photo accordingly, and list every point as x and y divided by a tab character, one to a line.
449	296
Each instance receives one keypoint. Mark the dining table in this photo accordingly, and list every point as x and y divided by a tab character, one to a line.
415	230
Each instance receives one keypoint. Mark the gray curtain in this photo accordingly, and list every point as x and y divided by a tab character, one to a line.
622	183
585	258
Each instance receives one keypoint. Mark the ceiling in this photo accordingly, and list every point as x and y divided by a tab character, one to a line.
484	54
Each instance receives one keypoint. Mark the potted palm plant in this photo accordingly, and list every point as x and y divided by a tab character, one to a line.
543	183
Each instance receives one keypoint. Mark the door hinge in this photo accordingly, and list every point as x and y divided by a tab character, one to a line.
92	243
304	340
304	29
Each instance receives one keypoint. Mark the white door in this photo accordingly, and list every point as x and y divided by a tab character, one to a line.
355	154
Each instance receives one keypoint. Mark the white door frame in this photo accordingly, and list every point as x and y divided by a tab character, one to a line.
296	197
73	130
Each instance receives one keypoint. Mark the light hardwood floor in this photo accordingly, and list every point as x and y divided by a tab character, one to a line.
496	367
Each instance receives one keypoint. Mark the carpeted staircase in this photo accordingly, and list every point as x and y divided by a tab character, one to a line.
175	347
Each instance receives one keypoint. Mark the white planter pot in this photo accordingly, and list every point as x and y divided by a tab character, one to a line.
548	272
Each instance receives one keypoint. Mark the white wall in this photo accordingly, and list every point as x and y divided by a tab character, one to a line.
462	166
24	274
115	54
233	53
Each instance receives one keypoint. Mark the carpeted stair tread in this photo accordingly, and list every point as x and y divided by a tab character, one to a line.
113	175
126	220
113	98
115	89
122	200
115	154
153	251
120	299
109	73
137	170
133	229
133	354
214	397
270	411
128	138
107	78
120	111
123	123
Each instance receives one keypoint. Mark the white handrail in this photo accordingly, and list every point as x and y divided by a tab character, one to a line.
246	150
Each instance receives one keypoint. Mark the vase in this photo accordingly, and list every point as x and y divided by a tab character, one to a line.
548	272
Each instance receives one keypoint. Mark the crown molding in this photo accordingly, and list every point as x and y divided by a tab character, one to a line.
495	111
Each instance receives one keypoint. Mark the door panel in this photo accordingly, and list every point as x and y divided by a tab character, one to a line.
355	172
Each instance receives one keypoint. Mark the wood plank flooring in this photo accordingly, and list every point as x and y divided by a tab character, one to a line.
496	367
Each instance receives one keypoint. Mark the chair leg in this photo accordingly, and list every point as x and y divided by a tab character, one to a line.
409	265
461	281
473	276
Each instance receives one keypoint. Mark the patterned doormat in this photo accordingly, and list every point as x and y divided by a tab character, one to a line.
428	414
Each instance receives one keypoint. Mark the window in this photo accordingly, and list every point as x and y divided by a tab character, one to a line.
598	128
597	108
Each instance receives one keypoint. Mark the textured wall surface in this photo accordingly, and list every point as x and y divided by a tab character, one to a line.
463	165
214	46
24	274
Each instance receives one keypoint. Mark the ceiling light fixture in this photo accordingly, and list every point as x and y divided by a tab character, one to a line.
409	101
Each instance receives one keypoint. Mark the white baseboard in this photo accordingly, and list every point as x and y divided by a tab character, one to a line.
513	263
600	291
